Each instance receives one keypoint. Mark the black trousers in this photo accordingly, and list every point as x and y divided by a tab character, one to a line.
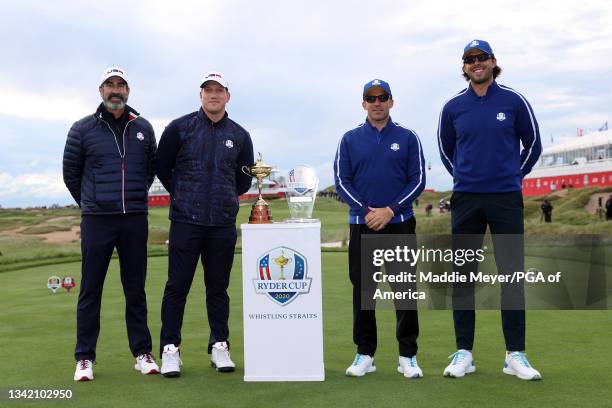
364	321
503	213
100	235
215	246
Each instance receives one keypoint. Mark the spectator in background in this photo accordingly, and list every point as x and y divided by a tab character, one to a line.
609	208
428	209
547	209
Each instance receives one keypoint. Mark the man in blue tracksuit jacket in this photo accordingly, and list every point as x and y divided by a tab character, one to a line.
379	171
480	133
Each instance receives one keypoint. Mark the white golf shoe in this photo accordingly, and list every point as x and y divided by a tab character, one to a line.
220	358
462	363
146	364
84	370
517	364
362	365
409	367
171	361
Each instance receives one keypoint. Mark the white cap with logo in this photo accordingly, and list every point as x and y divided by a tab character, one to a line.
217	77
111	72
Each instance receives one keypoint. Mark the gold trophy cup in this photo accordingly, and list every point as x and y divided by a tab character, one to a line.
282	261
260	213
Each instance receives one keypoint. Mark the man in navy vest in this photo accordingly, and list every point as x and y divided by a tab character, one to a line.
379	171
108	167
200	158
481	130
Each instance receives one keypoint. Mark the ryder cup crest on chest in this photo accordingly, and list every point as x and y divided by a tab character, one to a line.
140	136
282	275
501	116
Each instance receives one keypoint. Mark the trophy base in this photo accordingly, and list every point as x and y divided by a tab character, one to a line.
260	214
302	220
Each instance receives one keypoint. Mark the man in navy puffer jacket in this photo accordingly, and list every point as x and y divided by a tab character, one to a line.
109	165
199	162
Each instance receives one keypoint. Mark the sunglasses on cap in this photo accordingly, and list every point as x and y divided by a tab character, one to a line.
373	98
480	57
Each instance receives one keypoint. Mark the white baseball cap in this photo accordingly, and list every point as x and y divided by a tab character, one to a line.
217	77
111	72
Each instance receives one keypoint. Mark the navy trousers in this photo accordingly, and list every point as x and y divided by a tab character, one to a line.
100	235
188	243
364	321
503	213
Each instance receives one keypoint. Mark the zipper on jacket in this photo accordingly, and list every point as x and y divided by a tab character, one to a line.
122	155
211	162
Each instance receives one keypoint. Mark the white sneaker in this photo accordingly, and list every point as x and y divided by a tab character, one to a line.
462	363
362	365
171	361
409	367
84	370
220	358
516	364
146	364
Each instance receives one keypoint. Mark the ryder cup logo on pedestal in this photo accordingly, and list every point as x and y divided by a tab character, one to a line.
281	275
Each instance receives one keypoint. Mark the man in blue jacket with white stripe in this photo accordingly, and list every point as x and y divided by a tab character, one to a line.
480	133
379	171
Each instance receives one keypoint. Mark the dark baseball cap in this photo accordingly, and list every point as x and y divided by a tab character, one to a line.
377	83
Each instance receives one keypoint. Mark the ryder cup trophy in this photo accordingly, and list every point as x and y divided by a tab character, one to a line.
260	213
301	193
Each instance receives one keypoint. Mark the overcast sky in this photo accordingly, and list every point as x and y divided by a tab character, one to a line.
296	71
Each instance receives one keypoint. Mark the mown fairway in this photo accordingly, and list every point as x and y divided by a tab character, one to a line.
37	332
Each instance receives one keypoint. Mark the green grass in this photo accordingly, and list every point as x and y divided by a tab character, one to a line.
25	248
45	229
37	332
15	218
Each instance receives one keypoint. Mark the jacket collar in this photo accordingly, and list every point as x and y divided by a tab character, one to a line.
389	125
202	116
132	114
491	90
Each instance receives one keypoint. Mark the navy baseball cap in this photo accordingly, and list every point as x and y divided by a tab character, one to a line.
478	45
377	83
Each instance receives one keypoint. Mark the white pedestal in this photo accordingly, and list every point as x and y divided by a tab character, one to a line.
283	321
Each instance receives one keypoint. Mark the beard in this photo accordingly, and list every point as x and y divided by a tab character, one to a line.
112	105
482	80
